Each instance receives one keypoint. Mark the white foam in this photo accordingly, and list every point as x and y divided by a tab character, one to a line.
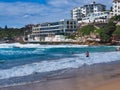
18	45
47	66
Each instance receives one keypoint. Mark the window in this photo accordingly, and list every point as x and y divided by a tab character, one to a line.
71	27
71	23
115	6
68	21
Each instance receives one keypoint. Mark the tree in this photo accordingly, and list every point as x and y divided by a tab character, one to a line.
10	33
110	28
117	31
6	27
104	37
107	32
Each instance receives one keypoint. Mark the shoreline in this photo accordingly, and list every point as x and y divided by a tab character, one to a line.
91	43
66	43
83	78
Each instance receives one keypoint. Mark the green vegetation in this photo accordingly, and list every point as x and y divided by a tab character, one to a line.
115	18
110	29
72	36
99	31
105	33
104	37
86	30
117	31
11	33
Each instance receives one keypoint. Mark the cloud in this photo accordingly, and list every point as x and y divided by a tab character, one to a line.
74	3
22	13
19	8
58	3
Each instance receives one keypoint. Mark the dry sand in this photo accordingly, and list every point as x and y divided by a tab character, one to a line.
95	77
111	85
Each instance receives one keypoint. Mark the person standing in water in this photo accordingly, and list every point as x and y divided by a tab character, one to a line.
87	54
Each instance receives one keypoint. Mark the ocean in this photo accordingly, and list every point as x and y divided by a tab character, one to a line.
22	60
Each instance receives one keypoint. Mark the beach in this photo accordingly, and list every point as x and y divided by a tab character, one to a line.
58	67
111	85
104	76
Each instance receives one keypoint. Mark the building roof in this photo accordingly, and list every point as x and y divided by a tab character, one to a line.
94	5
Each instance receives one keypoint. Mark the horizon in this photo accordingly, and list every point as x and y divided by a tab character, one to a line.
18	13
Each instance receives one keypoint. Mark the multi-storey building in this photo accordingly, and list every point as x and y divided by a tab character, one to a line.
76	13
116	7
80	12
43	30
96	17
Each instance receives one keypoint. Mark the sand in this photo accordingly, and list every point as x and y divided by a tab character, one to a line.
111	85
104	76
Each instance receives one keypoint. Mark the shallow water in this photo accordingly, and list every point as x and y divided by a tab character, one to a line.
22	60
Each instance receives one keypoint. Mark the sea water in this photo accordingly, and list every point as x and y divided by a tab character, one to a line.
17	60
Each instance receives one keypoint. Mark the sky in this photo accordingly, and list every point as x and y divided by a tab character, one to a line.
18	13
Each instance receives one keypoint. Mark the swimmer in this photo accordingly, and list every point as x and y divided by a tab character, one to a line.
87	54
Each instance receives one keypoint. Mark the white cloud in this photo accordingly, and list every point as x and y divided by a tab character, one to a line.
74	3
58	3
21	13
18	8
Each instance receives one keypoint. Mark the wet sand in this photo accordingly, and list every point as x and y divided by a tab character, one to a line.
95	77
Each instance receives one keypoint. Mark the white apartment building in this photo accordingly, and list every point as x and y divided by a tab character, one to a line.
116	7
79	12
76	13
96	17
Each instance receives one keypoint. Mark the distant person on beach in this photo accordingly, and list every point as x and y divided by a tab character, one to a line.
87	54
